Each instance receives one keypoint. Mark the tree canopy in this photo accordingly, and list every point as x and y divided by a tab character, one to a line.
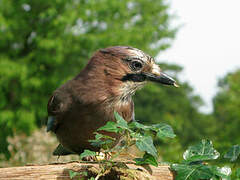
227	111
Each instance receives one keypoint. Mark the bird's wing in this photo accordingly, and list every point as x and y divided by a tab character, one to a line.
54	109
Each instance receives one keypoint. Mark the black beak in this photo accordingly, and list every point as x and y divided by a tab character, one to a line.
140	77
162	78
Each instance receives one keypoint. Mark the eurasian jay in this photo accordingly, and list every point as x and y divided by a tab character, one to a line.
88	101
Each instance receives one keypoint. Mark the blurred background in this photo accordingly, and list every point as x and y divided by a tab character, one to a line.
45	43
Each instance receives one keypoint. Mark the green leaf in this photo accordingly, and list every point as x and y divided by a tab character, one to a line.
191	172
72	174
84	173
147	159
102	140
120	121
87	153
101	143
163	130
201	152
233	153
110	127
138	126
237	172
145	143
223	172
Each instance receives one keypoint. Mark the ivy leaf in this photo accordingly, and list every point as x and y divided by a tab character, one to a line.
145	143
233	153
120	121
138	126
147	159
110	127
72	174
87	153
163	130
223	172
201	152
191	172
84	173
102	140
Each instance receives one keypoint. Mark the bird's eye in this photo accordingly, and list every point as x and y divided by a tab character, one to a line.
136	65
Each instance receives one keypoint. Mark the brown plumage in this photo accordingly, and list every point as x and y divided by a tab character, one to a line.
85	103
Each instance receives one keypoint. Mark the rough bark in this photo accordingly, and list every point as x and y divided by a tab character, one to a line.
60	171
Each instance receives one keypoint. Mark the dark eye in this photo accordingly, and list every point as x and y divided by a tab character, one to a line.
136	65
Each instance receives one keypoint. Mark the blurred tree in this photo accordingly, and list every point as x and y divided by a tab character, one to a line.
227	112
44	43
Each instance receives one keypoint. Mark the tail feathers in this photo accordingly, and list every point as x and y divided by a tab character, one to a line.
61	151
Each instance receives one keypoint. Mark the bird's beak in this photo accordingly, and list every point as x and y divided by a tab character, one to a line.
157	76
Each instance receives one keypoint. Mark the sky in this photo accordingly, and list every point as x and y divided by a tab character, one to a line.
207	44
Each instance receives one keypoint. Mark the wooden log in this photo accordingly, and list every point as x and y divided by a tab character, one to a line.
60	171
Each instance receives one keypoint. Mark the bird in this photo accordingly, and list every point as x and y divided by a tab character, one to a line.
105	85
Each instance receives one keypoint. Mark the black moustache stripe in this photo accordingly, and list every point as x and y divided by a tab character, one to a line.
134	77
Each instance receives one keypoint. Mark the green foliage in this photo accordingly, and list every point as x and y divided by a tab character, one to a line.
145	144
110	127
221	173
164	130
102	141
72	174
196	172
87	153
193	167
237	174
233	153
193	172
131	134
121	123
146	159
201	152
45	43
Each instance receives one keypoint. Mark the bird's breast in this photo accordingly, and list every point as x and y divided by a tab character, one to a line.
82	121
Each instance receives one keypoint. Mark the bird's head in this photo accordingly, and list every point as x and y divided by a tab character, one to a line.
125	69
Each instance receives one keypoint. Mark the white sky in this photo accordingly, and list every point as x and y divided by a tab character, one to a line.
208	44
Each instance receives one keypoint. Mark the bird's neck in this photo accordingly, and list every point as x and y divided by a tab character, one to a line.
109	92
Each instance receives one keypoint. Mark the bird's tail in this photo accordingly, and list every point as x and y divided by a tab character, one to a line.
61	151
